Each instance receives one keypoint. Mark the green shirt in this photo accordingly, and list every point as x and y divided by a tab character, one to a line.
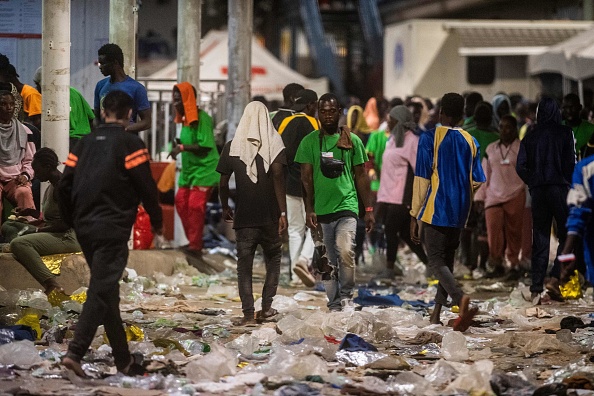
80	114
484	138
376	146
582	134
332	195
199	170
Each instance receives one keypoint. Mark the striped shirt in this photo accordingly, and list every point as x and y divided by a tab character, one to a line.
448	172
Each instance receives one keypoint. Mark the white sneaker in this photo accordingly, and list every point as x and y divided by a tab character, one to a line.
347	305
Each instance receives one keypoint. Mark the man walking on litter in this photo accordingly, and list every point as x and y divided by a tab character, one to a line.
448	173
106	176
256	156
332	171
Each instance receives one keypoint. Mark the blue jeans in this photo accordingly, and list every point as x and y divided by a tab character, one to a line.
339	238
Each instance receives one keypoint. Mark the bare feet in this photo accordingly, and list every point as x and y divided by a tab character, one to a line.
50	285
73	365
434	318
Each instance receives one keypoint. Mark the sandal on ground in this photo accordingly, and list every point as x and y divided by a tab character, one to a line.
463	322
244	321
262	316
305	276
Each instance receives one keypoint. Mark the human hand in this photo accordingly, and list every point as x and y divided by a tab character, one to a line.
567	262
174	152
312	220
369	221
282	224
415	235
228	214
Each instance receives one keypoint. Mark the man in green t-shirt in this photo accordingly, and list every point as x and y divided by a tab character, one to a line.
582	129
81	114
199	160
332	172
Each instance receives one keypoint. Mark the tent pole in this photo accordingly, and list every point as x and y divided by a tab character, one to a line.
581	90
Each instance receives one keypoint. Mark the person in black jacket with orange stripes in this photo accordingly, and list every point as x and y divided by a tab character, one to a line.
106	176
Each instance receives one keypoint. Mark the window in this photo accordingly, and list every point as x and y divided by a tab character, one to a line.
480	70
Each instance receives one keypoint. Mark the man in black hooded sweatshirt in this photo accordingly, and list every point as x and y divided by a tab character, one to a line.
545	163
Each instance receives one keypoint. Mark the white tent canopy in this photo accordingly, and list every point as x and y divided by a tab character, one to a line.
269	75
573	58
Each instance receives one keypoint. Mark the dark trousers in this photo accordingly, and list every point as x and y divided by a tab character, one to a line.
548	203
396	219
248	240
107	260
441	243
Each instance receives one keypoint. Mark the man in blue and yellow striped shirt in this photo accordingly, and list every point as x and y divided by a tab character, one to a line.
447	174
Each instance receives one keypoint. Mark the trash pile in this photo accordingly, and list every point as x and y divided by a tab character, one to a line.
184	327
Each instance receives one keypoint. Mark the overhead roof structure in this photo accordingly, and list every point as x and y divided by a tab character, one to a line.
501	38
573	58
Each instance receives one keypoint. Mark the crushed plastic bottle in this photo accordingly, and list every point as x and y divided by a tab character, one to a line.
137	315
453	346
195	347
408	383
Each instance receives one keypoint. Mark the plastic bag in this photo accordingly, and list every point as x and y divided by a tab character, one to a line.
453	346
408	383
572	290
212	366
142	234
20	353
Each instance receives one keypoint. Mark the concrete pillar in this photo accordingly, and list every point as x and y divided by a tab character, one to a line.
55	59
241	15
188	41
188	69
123	26
588	8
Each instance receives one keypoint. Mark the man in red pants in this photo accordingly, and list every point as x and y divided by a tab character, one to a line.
199	160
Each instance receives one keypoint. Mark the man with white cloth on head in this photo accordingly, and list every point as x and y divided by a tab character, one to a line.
256	156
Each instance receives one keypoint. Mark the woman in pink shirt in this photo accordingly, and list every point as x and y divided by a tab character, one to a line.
395	191
504	197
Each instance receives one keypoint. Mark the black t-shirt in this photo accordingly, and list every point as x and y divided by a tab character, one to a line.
255	203
279	117
297	128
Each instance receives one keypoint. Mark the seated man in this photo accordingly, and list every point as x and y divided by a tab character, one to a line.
16	154
53	236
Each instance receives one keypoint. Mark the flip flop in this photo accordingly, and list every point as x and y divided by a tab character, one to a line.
262	316
305	276
463	322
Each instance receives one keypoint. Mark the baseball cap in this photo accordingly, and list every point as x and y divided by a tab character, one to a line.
303	98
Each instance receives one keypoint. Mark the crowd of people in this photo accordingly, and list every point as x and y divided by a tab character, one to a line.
496	178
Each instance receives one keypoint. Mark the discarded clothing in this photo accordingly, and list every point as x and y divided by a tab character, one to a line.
366	298
354	343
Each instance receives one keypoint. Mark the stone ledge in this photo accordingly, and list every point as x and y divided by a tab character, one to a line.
75	272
